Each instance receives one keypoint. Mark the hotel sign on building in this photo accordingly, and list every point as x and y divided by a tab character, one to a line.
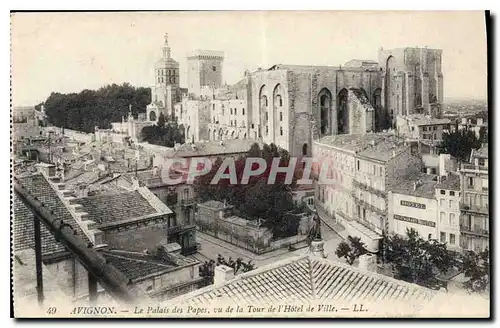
414	220
412	204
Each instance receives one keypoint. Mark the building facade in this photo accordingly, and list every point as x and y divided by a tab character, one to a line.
412	81
166	91
204	70
362	169
474	201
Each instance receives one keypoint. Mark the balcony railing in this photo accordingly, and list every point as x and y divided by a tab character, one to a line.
475	168
368	206
474	230
475	208
369	189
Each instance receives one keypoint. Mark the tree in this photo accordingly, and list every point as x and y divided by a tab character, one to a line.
257	199
476	267
417	260
483	135
207	269
90	108
351	250
161	121
460	143
161	134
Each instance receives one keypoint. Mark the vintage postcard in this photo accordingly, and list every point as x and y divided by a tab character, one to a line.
260	164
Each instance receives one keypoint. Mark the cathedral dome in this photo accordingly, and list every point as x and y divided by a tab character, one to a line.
166	63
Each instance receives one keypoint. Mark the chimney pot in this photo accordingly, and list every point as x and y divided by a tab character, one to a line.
222	274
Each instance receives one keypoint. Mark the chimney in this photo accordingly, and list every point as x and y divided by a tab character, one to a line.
317	248
368	262
222	274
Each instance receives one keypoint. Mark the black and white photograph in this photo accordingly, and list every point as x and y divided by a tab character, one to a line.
250	164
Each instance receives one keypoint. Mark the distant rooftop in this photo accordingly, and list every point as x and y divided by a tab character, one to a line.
424	183
450	182
481	152
361	63
378	146
201	52
420	119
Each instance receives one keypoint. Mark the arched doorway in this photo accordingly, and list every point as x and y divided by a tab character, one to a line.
389	95
188	135
263	106
304	149
325	112
342	112
278	111
182	130
152	116
215	135
377	105
209	134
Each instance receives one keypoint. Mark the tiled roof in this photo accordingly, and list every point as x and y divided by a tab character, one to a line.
405	185
303	280
138	265
355	142
109	208
148	177
451	182
383	152
39	187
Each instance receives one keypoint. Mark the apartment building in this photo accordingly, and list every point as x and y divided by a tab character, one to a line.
474	201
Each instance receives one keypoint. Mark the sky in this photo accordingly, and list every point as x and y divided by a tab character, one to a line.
69	52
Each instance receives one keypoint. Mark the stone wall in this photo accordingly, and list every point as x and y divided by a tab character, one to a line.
171	284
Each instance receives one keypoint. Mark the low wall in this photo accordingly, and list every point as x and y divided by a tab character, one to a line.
243	233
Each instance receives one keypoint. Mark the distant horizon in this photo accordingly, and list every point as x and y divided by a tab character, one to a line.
70	52
445	100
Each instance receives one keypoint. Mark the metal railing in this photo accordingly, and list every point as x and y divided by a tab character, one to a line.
475	230
474	167
475	208
108	276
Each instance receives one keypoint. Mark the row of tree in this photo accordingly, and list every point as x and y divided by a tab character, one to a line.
420	261
87	109
256	200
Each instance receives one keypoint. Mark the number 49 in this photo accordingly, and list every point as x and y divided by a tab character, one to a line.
51	310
